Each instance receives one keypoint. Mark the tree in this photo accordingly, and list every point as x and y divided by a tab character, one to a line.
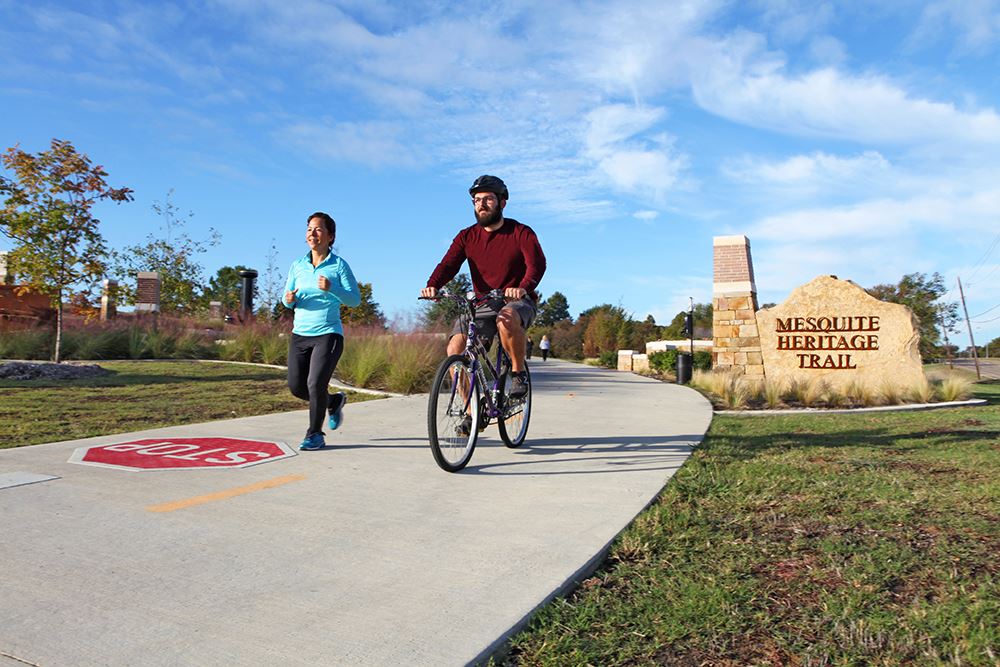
271	284
922	295
444	311
366	313
173	257
702	323
552	310
47	214
225	287
606	328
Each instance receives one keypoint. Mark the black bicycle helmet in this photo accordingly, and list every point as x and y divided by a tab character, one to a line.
486	183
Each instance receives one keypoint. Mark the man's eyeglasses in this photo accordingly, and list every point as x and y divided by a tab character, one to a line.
484	199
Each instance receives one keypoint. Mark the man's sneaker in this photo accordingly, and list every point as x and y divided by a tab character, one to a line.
518	384
313	442
335	406
465	427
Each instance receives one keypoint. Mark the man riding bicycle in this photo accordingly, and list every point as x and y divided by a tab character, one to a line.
503	254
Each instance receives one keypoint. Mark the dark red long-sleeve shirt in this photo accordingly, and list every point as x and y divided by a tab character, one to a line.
507	257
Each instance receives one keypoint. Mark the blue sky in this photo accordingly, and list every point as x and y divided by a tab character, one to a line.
842	138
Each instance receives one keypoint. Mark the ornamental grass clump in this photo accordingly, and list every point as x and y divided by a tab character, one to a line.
274	348
30	344
891	393
245	346
859	393
920	392
953	388
772	394
365	360
736	391
814	392
413	358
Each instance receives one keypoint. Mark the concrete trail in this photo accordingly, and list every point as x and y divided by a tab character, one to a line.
364	553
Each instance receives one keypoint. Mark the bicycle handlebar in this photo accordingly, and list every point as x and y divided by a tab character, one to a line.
444	294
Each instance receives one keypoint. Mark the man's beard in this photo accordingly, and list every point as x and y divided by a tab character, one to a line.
486	219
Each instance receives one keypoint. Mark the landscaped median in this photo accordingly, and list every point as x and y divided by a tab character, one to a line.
842	539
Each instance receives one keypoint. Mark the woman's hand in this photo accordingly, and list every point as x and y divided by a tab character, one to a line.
323	283
290	296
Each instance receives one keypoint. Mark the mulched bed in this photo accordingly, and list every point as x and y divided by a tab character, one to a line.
21	370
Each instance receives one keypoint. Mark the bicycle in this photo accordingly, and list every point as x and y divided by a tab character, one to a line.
470	390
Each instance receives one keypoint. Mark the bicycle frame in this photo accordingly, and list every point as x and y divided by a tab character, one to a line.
487	375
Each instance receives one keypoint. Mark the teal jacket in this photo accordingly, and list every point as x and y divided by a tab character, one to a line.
317	312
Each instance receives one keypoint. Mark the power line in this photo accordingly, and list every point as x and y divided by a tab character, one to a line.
985	277
982	259
987	310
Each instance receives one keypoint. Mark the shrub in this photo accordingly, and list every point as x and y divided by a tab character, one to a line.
665	361
702	360
608	359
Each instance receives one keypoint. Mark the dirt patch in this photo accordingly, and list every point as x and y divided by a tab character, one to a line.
21	370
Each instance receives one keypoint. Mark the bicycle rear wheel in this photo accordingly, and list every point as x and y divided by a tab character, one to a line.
454	397
515	413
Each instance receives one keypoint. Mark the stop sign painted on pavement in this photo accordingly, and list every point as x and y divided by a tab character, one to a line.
182	453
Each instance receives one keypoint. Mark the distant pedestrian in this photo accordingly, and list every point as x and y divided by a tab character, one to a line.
531	346
317	284
544	346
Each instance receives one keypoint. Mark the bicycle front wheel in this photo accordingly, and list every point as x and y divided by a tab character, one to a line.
453	414
515	413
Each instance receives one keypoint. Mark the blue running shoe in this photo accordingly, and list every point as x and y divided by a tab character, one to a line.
313	442
335	406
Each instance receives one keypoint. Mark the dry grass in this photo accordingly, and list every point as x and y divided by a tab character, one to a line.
954	388
730	390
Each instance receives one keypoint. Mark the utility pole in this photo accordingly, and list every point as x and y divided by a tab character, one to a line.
975	353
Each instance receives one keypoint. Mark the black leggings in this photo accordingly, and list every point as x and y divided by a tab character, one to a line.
311	360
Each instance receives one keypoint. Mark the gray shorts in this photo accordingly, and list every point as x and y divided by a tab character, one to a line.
486	318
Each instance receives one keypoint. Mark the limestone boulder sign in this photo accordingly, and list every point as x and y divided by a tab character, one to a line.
833	330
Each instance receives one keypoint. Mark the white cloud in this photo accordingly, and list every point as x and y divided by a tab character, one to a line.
828	50
740	82
795	21
865	222
646	216
818	167
372	143
631	163
974	24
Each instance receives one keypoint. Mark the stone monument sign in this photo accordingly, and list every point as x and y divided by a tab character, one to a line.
834	330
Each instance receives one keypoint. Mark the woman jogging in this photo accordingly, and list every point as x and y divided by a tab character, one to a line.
544	346
317	284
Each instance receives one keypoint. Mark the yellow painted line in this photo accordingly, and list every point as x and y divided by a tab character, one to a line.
223	495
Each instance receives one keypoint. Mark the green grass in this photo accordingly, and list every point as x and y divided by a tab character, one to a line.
140	395
866	539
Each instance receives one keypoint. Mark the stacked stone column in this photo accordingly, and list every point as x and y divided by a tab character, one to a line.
736	337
